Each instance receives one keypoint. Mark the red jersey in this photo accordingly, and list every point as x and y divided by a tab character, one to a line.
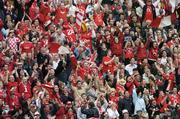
13	101
149	14
141	52
114	99
43	43
61	13
70	34
26	47
25	89
87	38
120	88
82	72
11	85
73	62
32	11
109	67
159	101
60	113
174	99
98	19
53	47
129	53
116	47
44	9
153	53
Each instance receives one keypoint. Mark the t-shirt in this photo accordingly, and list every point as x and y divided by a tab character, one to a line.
109	67
149	14
130	68
61	13
87	38
26	47
129	53
53	47
70	34
98	19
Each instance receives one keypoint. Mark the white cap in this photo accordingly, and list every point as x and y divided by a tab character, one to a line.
125	111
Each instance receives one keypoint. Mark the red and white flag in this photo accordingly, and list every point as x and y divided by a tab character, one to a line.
163	21
79	18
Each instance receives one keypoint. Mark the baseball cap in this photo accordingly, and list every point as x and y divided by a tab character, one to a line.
125	111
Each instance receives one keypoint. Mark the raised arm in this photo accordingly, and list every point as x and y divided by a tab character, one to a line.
156	3
134	95
97	5
159	68
110	61
141	3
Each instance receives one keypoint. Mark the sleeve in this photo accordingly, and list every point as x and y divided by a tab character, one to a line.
120	105
117	114
105	105
29	4
141	3
79	113
129	84
134	95
59	68
136	83
93	34
156	3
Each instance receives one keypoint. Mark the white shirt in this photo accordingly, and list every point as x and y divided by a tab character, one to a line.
55	64
163	60
72	10
130	68
80	115
112	113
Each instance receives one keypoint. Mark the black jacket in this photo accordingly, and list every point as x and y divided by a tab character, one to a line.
92	112
63	70
125	103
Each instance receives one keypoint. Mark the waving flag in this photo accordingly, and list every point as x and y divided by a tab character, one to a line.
79	18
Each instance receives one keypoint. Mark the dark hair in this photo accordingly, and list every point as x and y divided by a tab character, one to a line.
91	104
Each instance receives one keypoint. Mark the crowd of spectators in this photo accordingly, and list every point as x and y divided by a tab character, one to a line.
89	59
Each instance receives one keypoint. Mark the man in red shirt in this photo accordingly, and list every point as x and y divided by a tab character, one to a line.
61	13
26	46
25	88
108	63
69	32
116	44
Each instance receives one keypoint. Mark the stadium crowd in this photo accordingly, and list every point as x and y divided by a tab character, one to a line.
89	59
